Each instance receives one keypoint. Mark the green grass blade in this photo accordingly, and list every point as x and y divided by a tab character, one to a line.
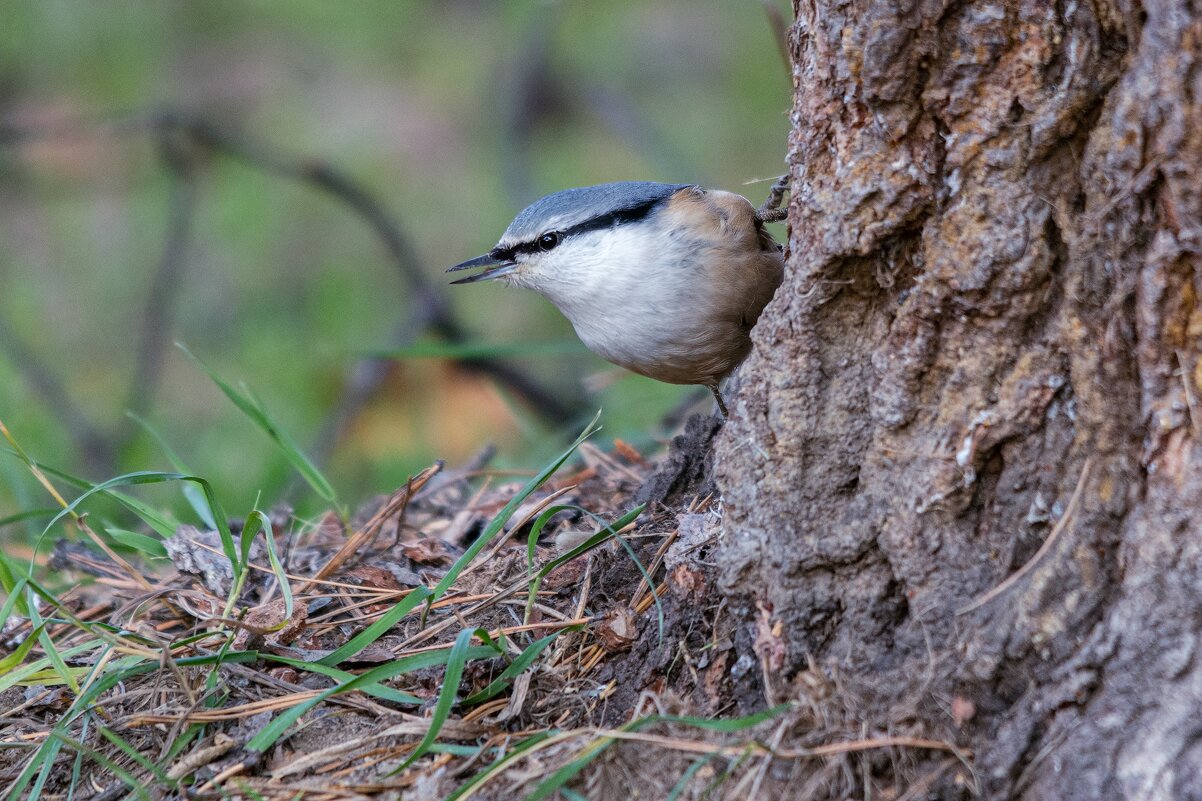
52	677
498	523
378	629
594	749
164	524
499	765
608	530
153	477
125	480
23	674
456	660
687	777
157	477
101	631
726	725
634	557
377	690
117	672
52	651
142	543
77	763
29	514
40	764
725	775
254	410
131	752
274	558
13	579
180	743
213	676
454	748
191	492
541	521
11	661
515	668
136	666
14	589
569	771
255	522
138	788
274	730
536	529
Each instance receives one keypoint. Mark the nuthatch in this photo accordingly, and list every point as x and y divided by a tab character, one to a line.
663	279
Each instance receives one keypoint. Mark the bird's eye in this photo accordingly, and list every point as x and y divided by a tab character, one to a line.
548	241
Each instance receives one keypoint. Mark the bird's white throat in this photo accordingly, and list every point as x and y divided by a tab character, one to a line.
628	290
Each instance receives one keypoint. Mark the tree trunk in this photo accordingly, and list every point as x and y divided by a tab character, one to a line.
964	470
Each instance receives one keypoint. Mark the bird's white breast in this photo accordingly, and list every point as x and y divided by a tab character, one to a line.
637	297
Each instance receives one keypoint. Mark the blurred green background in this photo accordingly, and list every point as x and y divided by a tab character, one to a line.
452	114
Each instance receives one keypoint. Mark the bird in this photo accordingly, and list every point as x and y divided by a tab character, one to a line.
665	280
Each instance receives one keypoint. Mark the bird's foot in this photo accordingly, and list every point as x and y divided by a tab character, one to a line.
770	210
721	403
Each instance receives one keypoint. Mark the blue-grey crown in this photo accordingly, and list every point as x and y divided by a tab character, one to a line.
586	207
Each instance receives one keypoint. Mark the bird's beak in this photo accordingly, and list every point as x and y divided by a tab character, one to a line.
495	268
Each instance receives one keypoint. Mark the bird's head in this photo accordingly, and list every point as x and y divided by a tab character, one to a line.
565	234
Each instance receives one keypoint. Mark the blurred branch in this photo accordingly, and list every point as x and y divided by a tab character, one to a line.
159	314
428	307
96	449
181	135
780	34
430	303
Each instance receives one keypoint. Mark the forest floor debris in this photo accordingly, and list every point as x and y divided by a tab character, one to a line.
467	636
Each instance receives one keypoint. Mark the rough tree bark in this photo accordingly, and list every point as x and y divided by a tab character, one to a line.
965	468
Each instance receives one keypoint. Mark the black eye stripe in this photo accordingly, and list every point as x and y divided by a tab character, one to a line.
618	217
536	246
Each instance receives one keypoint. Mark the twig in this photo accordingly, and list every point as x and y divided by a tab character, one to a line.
831	749
362	539
329	180
1060	526
766	762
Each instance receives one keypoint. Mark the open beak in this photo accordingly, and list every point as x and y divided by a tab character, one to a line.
494	269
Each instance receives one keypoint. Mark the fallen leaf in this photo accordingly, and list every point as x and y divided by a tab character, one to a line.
427	551
685	582
619	629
